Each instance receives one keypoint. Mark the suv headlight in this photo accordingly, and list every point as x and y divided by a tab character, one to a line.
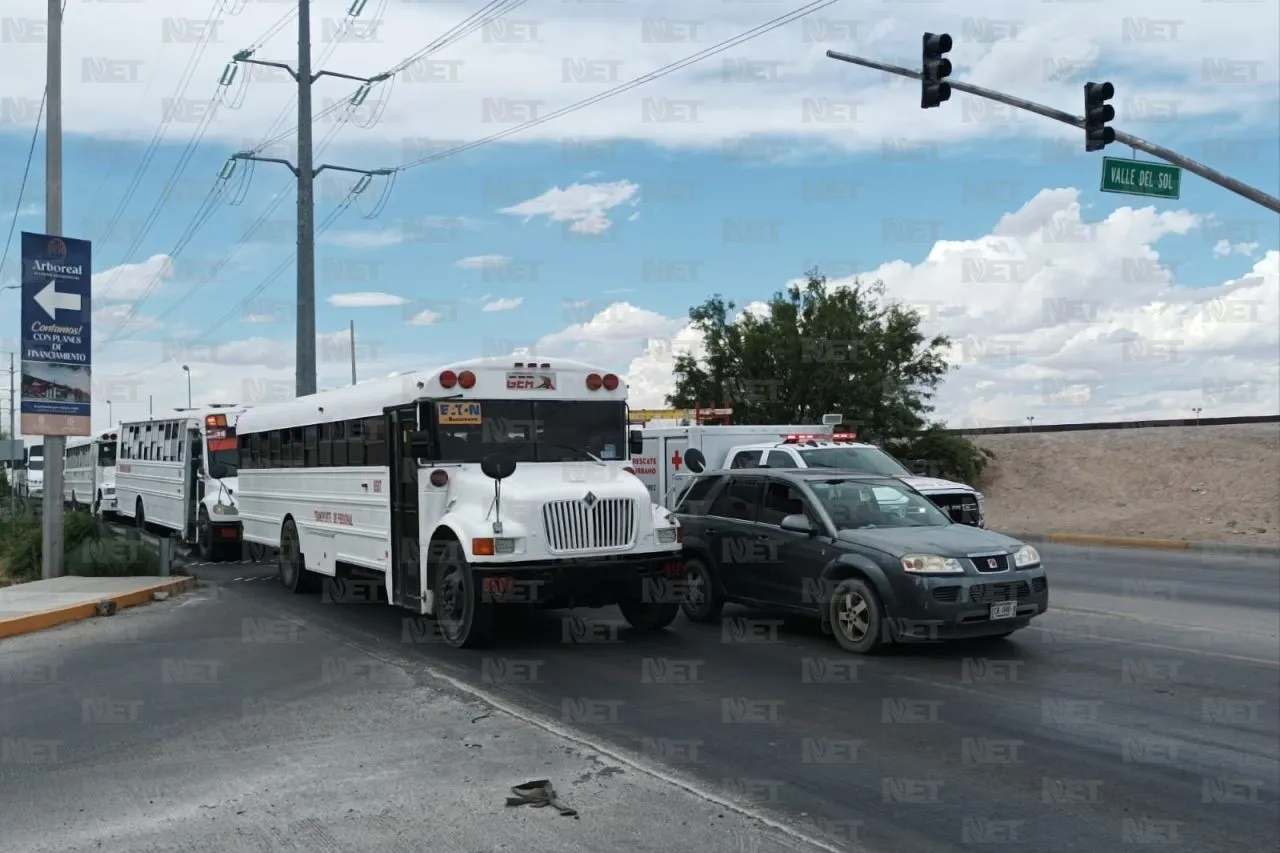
930	564
225	509
1026	557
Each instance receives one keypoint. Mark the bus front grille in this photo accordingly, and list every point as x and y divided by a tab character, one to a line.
606	523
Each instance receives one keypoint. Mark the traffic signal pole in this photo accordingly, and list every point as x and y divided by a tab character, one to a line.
1240	188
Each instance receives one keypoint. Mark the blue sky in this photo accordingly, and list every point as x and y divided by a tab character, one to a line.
739	220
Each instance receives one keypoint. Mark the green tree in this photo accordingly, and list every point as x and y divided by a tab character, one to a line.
819	349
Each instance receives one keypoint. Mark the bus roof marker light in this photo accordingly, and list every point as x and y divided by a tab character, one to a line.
594	381
467	379
448	379
610	382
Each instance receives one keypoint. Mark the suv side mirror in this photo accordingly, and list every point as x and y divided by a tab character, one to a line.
420	444
798	524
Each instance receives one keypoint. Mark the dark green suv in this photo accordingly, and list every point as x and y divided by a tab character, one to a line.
874	559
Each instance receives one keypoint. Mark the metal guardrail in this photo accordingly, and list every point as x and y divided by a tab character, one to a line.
1081	427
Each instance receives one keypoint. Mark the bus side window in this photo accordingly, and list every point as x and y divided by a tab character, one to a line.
339	443
355	443
311	446
275	459
296	455
246	456
375	442
326	445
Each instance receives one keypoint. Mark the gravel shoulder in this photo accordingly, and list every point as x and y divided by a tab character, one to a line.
1210	484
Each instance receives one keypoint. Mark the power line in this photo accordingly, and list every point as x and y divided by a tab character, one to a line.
706	53
22	189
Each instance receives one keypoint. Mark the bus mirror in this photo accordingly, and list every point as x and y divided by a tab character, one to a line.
420	443
694	460
635	444
498	466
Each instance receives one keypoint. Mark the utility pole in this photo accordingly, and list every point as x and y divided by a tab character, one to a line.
1240	188
13	436
305	346
353	352
54	445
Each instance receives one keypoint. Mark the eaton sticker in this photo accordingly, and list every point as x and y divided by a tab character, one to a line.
464	414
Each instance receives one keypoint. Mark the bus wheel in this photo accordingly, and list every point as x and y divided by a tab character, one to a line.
293	568
648	615
464	620
140	516
204	538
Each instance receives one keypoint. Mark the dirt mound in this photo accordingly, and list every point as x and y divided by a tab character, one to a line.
1210	483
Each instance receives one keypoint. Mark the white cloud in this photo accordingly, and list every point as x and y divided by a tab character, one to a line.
766	86
364	239
583	206
1057	317
259	319
130	282
365	300
424	318
482	262
1224	247
504	304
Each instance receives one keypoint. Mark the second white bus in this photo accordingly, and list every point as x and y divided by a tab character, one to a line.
463	489
89	474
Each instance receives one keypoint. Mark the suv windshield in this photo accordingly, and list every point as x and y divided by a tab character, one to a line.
528	431
865	505
869	460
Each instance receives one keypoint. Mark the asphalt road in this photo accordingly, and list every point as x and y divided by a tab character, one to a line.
1142	709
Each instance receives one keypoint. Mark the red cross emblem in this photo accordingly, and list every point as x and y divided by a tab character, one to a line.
676	460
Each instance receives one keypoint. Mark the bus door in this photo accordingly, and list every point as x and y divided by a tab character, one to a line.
406	562
193	487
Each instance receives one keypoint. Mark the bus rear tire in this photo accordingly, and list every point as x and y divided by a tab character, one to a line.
293	566
139	516
210	550
648	615
465	621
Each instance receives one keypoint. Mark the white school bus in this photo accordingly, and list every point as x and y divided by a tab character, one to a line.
89	473
179	473
463	489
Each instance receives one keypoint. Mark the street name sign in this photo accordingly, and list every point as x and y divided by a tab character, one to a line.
1141	177
57	353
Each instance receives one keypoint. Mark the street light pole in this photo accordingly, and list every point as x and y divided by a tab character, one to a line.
187	369
55	446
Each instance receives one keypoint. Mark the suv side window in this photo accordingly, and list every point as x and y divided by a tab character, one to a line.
746	459
780	459
780	500
694	501
737	500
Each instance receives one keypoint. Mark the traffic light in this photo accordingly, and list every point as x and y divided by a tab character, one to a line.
935	66
1097	112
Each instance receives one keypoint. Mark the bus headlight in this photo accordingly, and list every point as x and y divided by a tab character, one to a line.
667	535
225	509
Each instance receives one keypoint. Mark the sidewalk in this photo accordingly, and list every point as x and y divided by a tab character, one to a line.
38	605
1151	544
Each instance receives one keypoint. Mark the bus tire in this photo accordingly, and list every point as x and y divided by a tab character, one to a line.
293	566
464	620
648	615
207	548
139	516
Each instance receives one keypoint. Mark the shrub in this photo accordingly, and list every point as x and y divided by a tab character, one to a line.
937	453
91	549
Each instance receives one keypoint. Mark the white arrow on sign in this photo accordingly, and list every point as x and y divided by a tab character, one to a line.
52	301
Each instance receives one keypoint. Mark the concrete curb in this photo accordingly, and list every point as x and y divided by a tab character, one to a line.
1149	544
32	622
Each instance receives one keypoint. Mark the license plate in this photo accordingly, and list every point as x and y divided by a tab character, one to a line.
1004	610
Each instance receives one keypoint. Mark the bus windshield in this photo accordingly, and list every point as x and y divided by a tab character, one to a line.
224	453
107	454
528	431
35	463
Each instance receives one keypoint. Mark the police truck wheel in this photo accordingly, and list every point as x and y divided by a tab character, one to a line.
648	615
702	601
464	620
293	569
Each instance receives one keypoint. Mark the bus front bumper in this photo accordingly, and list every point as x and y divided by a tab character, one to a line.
587	582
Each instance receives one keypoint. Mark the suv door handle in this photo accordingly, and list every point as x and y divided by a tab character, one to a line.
709	530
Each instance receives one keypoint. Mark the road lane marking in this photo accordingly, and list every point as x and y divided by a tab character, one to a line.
1162	646
1147	620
